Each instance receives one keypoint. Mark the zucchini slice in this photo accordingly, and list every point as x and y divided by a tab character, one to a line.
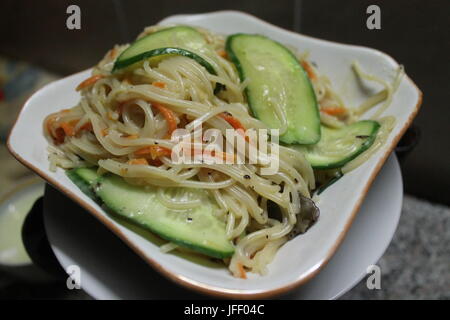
197	229
83	179
339	146
330	182
182	37
276	78
161	53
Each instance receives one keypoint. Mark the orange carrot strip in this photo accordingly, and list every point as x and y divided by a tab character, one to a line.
142	151
59	136
169	116
216	154
138	161
68	129
334	111
159	84
89	82
132	136
87	126
234	122
242	273
112	53
105	132
222	53
309	70
153	151
155	162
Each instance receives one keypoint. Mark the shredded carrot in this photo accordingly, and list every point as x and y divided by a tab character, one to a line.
89	81
132	136
112	53
153	151
68	129
309	70
142	151
216	154
87	126
159	84
138	161
59	136
155	162
234	122
222	53
242	273
334	111
105	132
49	124
169	116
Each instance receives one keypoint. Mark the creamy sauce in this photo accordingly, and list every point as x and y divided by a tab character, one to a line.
12	215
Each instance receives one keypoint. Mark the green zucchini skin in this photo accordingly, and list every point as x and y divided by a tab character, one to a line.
329	183
197	229
183	37
361	134
160	52
84	178
272	68
179	40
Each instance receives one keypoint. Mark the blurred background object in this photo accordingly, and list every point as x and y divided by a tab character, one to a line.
36	47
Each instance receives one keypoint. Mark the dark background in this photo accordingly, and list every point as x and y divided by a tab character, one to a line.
414	32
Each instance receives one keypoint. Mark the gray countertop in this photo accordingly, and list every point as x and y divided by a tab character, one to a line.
416	265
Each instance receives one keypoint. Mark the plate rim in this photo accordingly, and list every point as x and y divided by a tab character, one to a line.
197	285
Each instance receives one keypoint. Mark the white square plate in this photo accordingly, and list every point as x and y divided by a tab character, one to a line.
304	256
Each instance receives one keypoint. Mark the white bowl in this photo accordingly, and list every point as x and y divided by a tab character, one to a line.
300	259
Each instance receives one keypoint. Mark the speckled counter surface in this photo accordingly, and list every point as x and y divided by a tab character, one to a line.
416	265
